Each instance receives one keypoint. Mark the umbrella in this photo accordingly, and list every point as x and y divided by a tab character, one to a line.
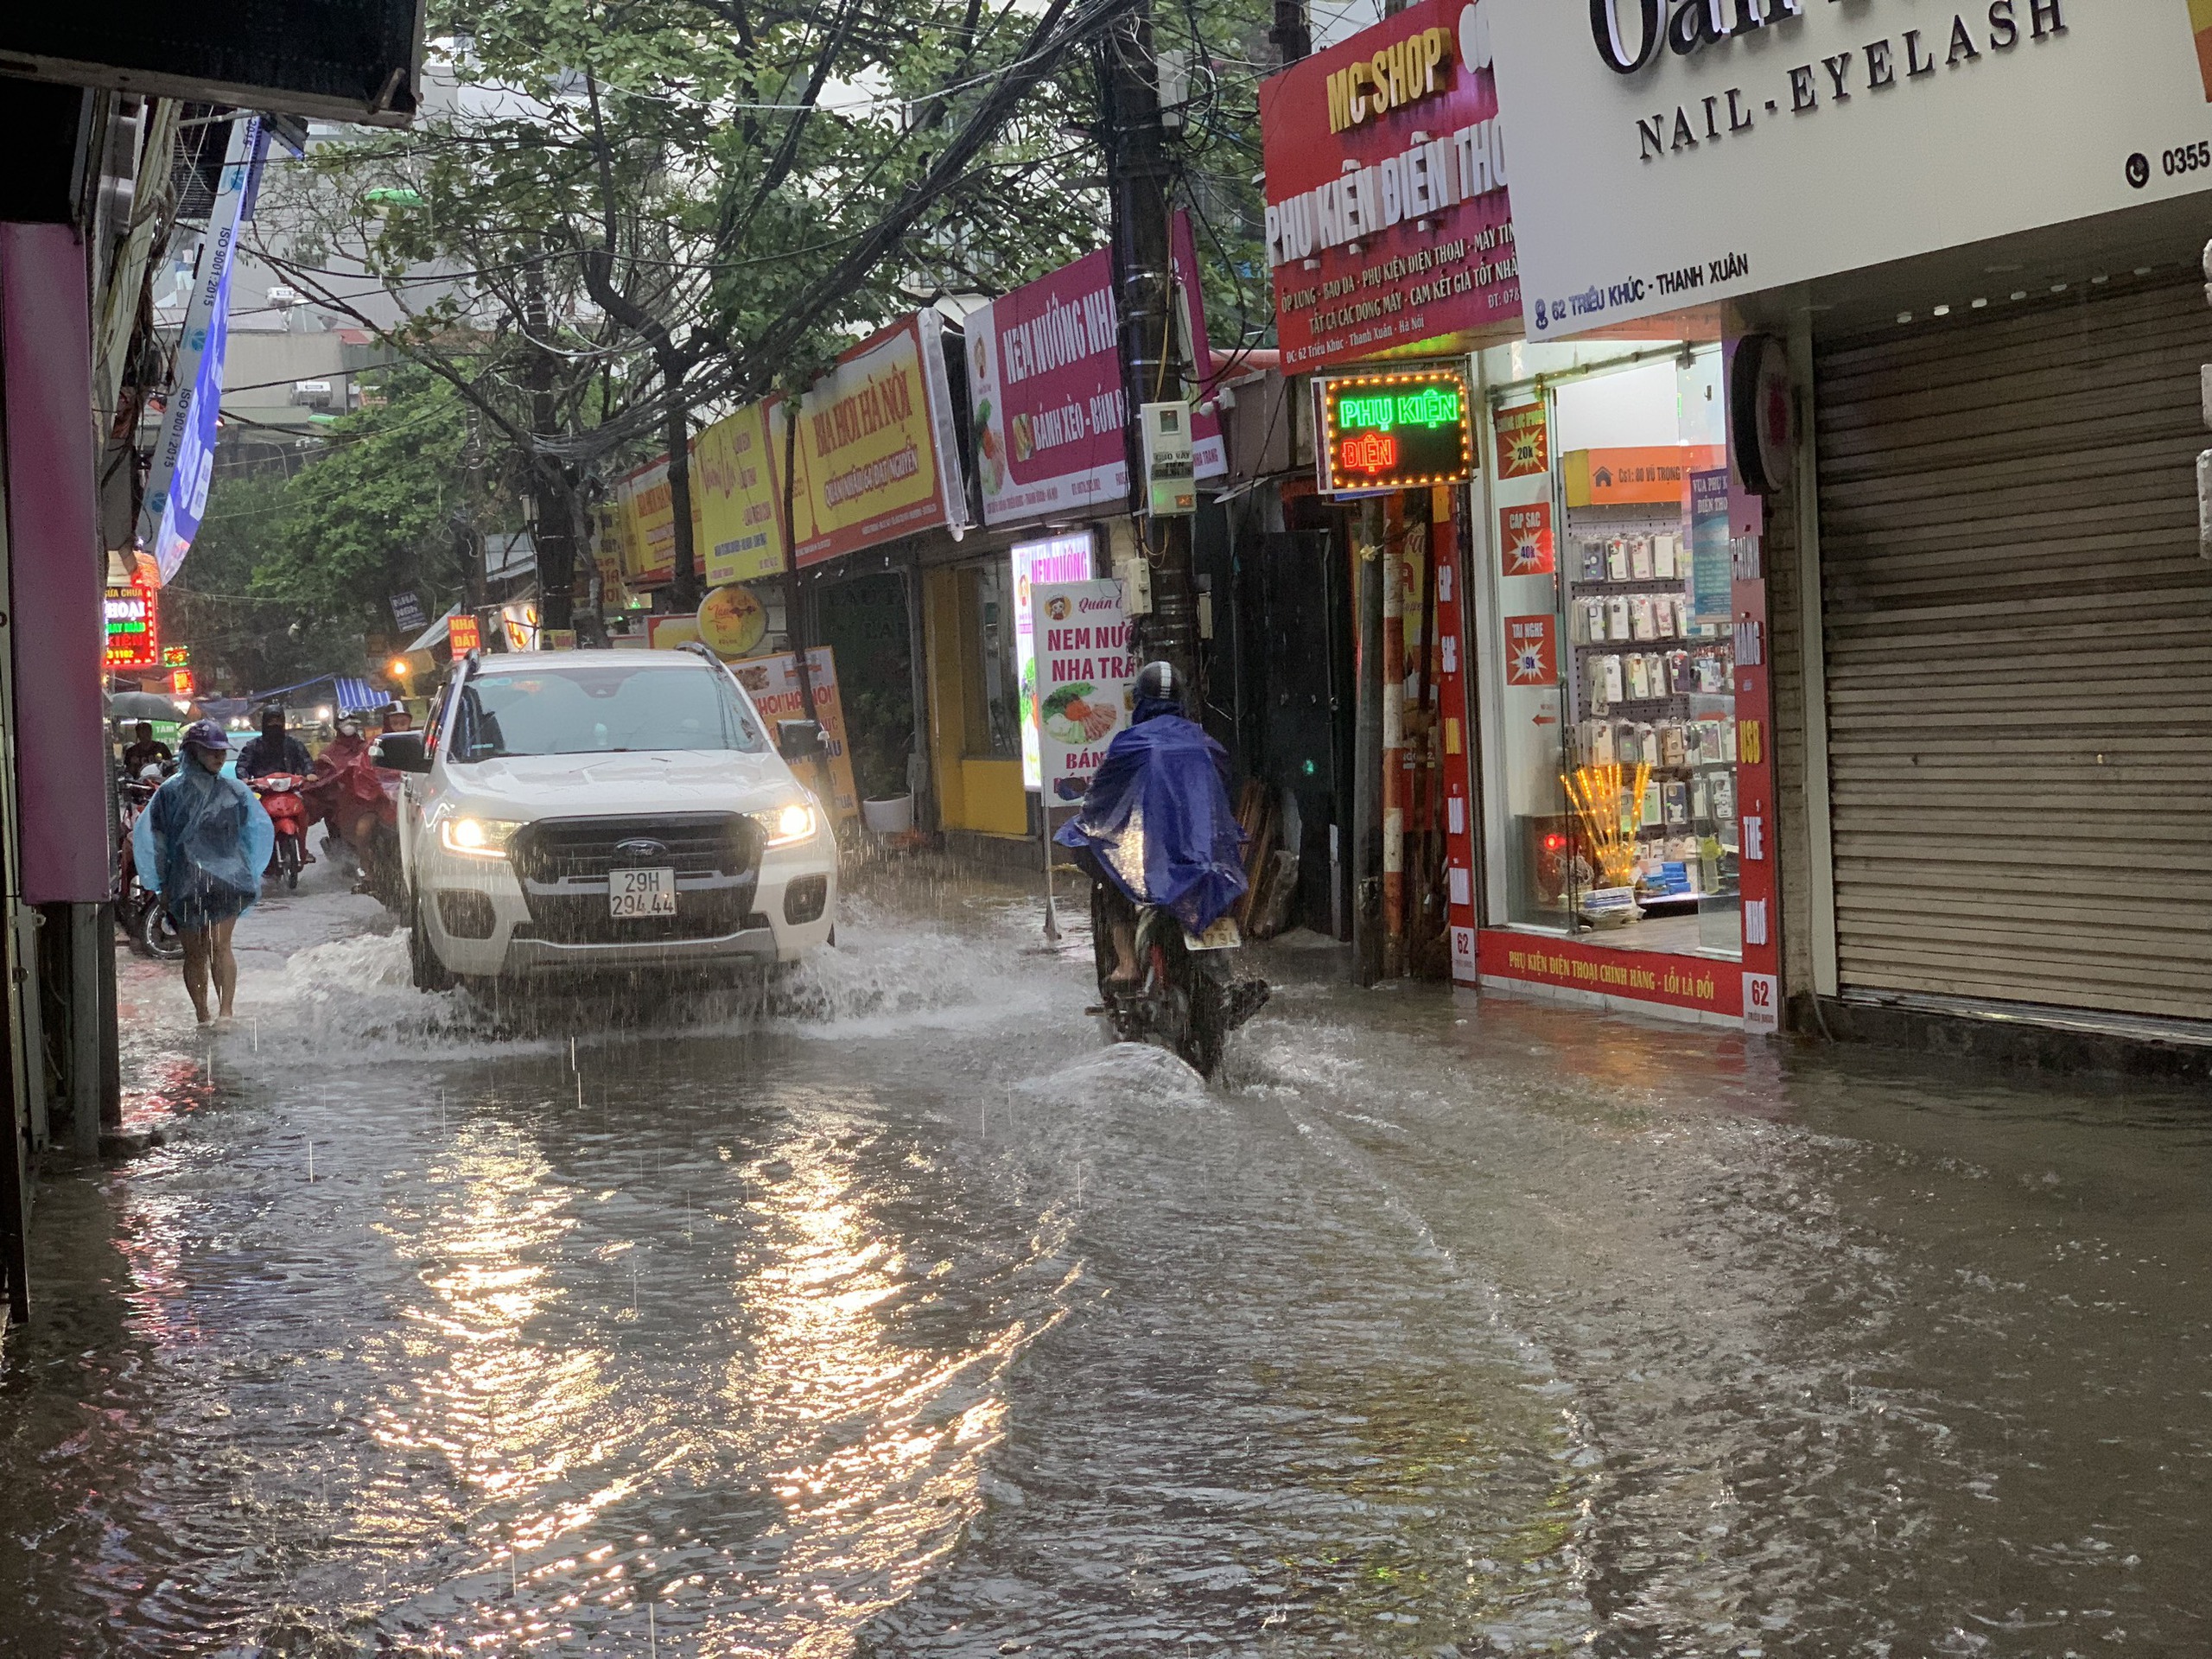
142	705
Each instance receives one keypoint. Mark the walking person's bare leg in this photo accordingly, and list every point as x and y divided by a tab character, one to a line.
195	969
225	966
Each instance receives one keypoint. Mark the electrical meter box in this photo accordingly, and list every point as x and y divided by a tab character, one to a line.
1170	486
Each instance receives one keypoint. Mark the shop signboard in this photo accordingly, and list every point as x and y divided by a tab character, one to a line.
1670	156
1657	475
735	495
1057	559
644	522
1045	372
877	453
407	611
1395	430
1697	982
132	611
1084	680
732	621
1386	223
773	684
463	635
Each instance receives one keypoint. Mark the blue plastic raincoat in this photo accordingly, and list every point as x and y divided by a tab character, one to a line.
201	843
1157	822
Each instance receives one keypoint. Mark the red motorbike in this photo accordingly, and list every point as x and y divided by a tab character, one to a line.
359	805
282	798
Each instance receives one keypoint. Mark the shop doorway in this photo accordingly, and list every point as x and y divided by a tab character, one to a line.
1612	754
864	622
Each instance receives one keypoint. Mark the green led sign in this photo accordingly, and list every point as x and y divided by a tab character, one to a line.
1398	431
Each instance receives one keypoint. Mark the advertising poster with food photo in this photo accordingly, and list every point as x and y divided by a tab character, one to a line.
1085	681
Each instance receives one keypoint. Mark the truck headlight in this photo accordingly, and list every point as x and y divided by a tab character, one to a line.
786	826
477	837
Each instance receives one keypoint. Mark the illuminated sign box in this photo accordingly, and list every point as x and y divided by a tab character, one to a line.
1394	431
133	631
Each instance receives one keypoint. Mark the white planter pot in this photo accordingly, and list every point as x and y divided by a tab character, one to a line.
891	817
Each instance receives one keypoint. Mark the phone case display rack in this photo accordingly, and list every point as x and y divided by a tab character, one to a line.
1653	687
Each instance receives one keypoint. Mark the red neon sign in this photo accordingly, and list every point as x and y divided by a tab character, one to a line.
1369	452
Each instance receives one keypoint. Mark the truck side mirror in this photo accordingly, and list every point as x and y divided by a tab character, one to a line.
399	752
798	740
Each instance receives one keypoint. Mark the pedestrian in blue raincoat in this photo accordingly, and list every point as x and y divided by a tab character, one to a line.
201	844
1156	827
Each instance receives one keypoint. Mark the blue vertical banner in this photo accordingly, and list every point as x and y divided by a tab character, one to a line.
1712	576
176	488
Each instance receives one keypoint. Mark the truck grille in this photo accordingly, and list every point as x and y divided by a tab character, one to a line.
698	843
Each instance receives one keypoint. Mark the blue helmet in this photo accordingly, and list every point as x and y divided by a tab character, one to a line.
206	735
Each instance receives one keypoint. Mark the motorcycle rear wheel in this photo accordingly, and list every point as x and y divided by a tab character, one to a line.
154	932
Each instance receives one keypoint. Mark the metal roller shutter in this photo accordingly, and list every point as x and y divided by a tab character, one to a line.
2018	635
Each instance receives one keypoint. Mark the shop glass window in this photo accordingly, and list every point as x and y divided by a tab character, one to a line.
1613	778
993	714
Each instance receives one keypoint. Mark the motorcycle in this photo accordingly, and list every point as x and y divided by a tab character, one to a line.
342	798
280	793
1187	997
146	923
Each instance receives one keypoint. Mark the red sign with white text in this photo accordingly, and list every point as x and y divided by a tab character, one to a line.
1525	540
1532	649
1386	223
1644	975
1524	447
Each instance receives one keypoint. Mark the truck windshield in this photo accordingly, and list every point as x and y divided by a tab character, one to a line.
600	708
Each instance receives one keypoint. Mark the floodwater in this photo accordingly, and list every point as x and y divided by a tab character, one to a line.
892	1313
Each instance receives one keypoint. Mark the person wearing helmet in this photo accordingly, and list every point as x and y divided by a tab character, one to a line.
276	750
200	845
1156	826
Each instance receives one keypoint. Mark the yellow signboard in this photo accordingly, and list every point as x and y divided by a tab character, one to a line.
648	524
734	493
876	459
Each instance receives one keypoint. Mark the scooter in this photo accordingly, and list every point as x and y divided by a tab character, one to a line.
146	923
1187	997
280	799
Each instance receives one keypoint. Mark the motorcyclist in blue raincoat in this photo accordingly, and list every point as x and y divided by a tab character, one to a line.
1156	827
201	844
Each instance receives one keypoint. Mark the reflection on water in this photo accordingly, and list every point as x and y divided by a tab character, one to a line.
880	1311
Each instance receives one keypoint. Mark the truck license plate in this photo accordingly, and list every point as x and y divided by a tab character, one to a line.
641	892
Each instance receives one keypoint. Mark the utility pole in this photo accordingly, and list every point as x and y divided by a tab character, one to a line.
1152	365
553	525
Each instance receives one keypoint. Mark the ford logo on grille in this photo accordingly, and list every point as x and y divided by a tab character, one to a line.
641	851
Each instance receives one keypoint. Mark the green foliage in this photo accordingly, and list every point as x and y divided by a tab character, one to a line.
368	515
288	575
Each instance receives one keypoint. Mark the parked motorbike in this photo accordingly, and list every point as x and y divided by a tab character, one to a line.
1187	997
146	924
281	798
